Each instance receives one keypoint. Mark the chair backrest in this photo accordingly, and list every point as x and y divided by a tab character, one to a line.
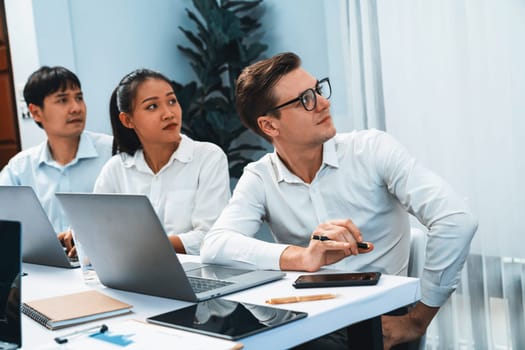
416	261
418	242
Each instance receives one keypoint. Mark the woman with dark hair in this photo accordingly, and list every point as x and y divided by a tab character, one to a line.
186	181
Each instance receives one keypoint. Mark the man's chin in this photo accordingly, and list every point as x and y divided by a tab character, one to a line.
77	131
328	135
331	132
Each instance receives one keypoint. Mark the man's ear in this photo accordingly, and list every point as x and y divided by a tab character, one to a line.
126	120
268	125
36	112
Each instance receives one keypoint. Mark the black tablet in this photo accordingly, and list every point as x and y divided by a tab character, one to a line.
226	319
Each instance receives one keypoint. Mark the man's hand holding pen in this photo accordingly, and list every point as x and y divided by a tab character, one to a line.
342	231
362	245
336	240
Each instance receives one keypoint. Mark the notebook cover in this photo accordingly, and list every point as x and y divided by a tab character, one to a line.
70	309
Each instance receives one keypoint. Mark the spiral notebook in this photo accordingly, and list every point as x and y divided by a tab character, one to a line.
71	309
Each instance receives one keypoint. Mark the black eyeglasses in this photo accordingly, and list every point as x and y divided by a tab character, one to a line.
308	97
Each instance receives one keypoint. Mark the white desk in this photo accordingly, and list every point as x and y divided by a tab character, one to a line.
352	305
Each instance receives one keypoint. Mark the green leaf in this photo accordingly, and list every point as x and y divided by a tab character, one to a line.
201	27
223	41
241	6
236	170
194	40
246	147
191	54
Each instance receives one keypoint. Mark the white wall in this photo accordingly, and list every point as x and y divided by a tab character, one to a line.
100	41
311	28
108	39
103	40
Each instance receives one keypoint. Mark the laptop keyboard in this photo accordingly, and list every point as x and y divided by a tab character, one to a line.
204	284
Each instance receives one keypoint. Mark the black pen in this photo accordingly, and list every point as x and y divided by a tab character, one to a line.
361	245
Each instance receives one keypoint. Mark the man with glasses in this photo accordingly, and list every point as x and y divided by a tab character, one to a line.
324	194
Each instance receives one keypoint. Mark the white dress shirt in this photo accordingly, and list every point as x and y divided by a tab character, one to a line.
188	193
36	167
366	176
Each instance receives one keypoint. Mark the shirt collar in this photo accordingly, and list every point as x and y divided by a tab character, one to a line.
86	149
183	154
283	174
330	154
45	156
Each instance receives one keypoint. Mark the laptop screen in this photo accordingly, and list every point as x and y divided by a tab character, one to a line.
10	274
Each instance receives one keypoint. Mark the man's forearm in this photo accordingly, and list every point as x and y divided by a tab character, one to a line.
409	327
421	315
316	255
292	259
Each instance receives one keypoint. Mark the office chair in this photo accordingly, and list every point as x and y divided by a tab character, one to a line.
416	261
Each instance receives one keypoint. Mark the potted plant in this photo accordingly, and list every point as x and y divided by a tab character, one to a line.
222	45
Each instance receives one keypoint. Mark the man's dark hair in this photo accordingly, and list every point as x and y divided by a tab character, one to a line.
254	88
46	81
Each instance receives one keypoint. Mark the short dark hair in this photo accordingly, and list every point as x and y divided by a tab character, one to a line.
46	81
254	88
122	100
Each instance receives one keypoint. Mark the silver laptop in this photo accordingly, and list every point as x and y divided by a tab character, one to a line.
39	239
129	249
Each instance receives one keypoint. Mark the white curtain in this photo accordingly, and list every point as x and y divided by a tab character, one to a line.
450	75
354	24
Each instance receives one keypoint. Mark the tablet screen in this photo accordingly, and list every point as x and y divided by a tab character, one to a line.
226	319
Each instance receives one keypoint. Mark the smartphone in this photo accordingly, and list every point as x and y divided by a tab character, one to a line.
337	280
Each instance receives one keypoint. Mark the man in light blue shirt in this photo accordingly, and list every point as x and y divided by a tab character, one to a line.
71	158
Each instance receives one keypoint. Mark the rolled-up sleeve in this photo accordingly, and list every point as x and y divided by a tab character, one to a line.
447	216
